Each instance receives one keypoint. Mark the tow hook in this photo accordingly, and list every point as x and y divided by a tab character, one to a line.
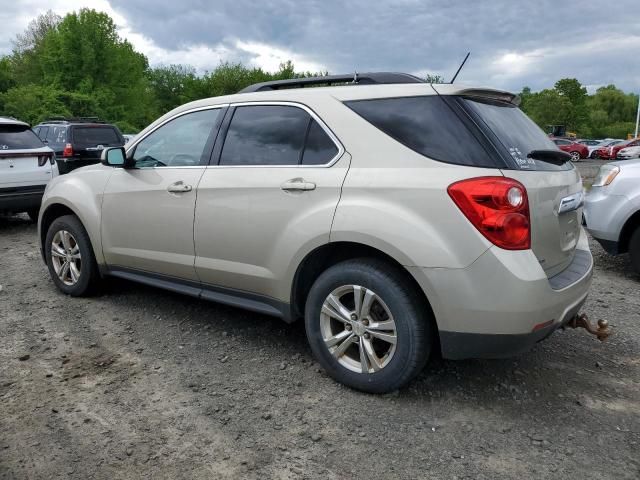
582	321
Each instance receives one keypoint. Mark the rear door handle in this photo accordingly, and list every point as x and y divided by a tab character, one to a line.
297	184
179	187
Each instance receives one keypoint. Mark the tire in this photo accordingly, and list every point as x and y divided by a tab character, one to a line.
395	298
634	250
575	156
33	214
80	254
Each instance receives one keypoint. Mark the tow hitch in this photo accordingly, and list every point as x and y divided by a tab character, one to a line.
582	321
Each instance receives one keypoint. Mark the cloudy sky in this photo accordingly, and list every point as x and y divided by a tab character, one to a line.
512	42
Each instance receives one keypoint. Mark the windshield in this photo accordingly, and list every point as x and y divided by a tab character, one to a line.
16	137
517	133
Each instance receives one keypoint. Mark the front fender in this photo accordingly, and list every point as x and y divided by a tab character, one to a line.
81	192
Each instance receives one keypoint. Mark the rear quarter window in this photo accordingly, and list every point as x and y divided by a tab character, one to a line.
18	137
96	136
427	125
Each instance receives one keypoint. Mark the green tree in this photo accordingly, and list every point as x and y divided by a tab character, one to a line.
34	103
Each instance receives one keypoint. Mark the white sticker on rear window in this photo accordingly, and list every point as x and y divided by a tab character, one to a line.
520	159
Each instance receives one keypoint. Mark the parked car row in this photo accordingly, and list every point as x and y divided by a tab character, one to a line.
608	149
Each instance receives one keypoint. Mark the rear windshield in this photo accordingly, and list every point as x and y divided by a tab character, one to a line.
517	133
427	125
96	136
14	137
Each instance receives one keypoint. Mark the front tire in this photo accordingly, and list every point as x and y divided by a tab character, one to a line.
634	250
367	325
69	256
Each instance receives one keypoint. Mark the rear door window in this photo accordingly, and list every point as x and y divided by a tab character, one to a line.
92	136
265	135
515	132
57	135
18	137
427	125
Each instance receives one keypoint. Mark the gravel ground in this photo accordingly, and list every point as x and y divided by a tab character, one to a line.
141	383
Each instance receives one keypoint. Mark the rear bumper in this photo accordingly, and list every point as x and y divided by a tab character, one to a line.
503	303
20	199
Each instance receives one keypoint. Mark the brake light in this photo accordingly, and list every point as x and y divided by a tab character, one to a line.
498	207
68	150
43	159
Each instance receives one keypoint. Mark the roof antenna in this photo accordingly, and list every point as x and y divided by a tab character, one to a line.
355	77
460	68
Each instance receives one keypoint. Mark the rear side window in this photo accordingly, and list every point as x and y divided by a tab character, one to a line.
517	133
427	125
265	135
96	136
16	137
56	135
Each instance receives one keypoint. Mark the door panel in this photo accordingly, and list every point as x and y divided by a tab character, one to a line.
249	231
146	227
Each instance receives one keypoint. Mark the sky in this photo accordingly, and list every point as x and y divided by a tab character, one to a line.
513	43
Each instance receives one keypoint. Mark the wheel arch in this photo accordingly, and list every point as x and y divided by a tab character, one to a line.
329	254
627	230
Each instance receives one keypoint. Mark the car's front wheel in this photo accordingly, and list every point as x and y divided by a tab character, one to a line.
368	326
70	257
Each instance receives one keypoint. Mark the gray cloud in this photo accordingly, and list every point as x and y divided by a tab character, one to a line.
513	43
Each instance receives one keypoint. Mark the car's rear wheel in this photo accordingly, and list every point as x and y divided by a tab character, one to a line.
70	257
367	325
575	156
634	249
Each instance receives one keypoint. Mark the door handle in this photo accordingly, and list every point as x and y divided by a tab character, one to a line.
297	184
179	187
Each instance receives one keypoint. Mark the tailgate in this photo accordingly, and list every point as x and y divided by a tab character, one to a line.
90	140
23	168
555	206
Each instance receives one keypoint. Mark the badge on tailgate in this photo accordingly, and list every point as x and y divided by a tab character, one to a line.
571	203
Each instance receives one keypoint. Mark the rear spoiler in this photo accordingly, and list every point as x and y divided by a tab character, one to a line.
486	93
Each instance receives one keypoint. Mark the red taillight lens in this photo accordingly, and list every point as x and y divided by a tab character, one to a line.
68	150
498	207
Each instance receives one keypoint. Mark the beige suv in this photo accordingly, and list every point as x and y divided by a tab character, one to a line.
398	218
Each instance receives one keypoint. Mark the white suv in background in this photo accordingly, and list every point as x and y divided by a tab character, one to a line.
396	217
26	166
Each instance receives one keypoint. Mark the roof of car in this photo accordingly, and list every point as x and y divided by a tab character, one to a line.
12	121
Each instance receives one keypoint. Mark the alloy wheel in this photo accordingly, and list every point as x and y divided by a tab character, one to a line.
66	257
358	329
575	156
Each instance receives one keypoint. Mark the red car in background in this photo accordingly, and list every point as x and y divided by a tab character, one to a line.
610	153
575	149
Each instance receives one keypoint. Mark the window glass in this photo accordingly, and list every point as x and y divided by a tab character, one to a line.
178	143
92	136
56	135
16	137
517	133
319	148
265	135
561	142
427	125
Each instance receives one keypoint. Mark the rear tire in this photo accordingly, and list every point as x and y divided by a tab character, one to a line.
634	250
380	342
69	256
575	156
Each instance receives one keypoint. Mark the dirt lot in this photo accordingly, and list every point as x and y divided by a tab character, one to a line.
140	383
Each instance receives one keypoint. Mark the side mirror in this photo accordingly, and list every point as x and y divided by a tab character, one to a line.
115	157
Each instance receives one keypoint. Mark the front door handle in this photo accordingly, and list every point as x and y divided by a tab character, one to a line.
297	184
179	187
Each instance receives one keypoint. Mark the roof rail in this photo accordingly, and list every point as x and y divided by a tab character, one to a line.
61	119
371	78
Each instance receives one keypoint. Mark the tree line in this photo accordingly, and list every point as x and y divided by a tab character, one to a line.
78	65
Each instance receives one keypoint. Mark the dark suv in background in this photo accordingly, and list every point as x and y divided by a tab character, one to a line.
78	141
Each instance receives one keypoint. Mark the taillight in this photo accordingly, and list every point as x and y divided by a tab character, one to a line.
498	207
43	159
68	150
